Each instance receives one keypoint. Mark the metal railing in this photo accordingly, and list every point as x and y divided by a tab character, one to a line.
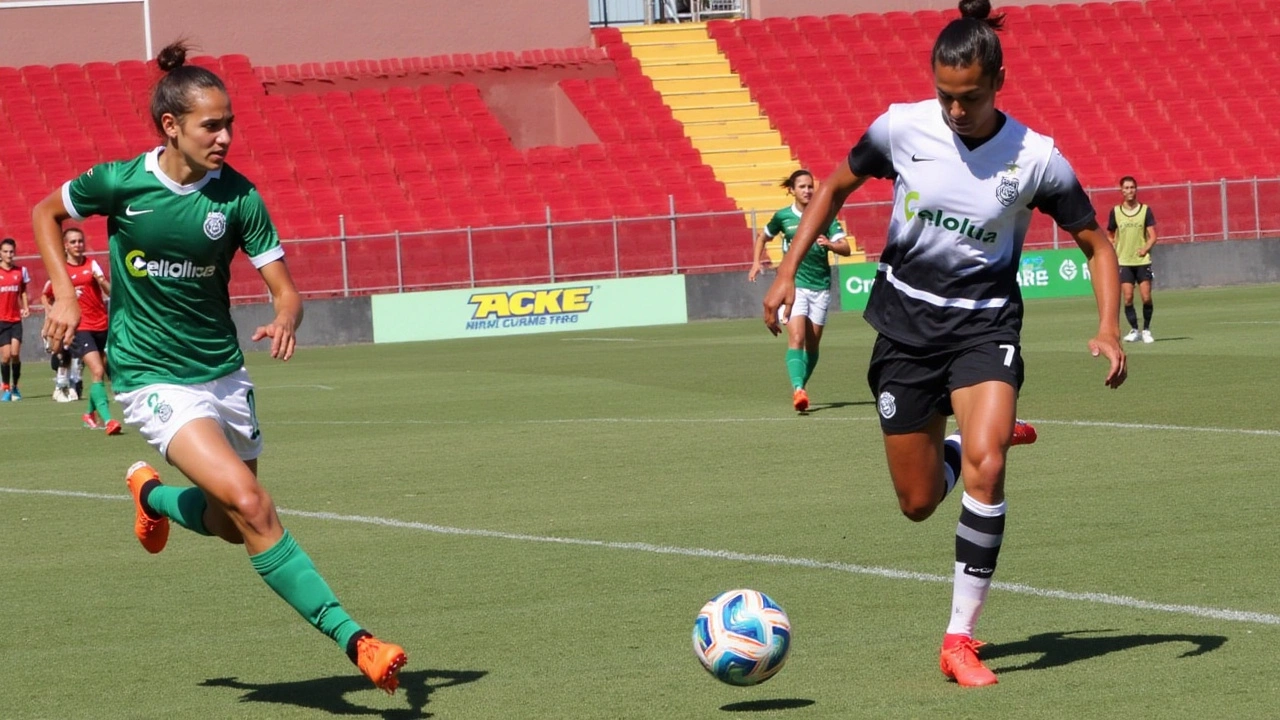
554	251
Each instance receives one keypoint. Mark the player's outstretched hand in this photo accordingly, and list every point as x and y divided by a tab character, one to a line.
781	294
60	322
283	340
1109	347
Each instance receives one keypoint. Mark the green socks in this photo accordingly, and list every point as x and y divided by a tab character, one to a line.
184	506
98	401
796	367
811	362
288	570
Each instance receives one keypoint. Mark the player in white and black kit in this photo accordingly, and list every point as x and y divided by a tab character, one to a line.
946	302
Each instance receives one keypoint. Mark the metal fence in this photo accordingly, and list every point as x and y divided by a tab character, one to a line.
347	265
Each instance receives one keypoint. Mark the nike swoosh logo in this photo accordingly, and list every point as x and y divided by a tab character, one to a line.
920	159
131	212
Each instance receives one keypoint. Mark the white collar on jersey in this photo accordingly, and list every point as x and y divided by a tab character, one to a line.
153	167
796	209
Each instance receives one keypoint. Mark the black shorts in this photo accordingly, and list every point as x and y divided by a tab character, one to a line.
87	341
911	386
10	331
1135	274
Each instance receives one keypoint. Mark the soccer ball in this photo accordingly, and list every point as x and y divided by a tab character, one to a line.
742	637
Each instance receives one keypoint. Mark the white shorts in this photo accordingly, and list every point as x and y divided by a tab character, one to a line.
159	411
812	304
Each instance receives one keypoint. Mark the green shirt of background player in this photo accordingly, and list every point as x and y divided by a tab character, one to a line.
813	283
178	214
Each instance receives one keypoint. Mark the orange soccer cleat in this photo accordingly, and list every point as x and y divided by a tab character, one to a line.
1023	433
800	400
959	661
113	427
153	533
380	662
90	420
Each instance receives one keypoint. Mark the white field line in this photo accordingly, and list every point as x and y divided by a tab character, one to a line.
701	553
716	421
294	387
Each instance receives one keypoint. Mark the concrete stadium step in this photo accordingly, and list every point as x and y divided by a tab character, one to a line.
715	113
680	69
768	139
716	128
697	84
707	98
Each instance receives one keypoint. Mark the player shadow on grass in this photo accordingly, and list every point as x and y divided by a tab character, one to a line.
330	694
1063	648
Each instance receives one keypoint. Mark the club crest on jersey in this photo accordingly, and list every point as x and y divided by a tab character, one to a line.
1007	192
215	225
888	405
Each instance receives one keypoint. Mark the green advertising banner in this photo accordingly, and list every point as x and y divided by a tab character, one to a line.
1054	273
1041	274
517	309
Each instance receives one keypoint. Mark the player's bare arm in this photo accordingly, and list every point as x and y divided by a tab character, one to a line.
288	306
62	317
1104	273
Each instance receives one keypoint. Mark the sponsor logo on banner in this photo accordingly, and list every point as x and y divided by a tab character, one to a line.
529	308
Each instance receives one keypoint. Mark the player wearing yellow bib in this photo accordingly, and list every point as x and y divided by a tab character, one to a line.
813	283
1132	229
177	216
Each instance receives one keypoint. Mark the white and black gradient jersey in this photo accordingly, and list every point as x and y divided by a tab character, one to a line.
948	275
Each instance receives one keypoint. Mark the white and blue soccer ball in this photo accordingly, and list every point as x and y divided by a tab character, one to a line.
742	637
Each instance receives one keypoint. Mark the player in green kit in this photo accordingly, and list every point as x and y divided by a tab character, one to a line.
813	283
177	216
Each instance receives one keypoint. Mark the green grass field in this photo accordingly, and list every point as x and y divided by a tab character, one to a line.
538	519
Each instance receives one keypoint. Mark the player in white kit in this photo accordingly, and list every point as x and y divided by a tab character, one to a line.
946	302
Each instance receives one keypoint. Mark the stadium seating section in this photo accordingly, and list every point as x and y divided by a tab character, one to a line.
1166	90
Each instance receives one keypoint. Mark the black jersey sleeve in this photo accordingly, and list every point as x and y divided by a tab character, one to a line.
1151	217
873	156
1061	197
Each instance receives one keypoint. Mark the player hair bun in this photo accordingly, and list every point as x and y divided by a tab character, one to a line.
981	10
173	56
976	9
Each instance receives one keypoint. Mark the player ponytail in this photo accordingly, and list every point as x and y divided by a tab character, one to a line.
789	182
971	38
172	95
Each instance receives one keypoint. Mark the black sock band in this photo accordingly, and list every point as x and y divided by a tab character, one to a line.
4	373
978	542
1131	315
147	487
1147	310
17	371
353	643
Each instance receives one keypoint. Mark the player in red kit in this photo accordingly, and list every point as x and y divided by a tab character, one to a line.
14	306
92	289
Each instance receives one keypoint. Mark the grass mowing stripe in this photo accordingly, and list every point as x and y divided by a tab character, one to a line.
888	573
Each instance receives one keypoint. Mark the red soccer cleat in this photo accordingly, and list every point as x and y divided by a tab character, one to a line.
1023	433
800	400
959	661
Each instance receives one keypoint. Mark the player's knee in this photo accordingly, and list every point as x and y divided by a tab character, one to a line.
985	472
917	509
251	506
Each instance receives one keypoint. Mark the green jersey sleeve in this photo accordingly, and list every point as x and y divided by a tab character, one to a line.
258	236
835	232
93	193
774	228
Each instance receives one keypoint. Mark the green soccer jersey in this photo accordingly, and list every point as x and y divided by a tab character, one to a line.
814	272
171	250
